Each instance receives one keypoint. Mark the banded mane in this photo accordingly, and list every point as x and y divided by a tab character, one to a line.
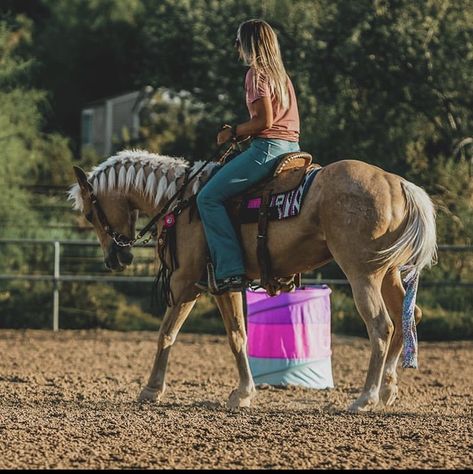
153	175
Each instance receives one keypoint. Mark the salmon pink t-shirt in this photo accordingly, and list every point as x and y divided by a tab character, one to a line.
285	121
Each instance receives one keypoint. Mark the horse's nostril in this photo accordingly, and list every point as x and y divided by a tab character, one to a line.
125	258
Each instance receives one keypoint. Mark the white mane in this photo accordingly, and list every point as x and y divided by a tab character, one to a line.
126	170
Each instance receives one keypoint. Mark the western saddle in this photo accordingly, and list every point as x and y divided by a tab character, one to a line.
290	171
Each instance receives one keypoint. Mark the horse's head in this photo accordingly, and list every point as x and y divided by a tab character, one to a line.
119	215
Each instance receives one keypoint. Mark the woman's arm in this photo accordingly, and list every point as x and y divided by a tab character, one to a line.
261	120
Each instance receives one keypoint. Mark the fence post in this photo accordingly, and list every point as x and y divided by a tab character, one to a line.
57	253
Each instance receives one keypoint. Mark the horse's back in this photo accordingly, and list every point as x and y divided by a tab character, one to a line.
354	172
356	188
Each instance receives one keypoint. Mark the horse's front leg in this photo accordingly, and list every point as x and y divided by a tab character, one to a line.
185	296
231	308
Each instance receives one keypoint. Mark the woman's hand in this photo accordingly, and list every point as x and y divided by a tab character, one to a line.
224	135
261	119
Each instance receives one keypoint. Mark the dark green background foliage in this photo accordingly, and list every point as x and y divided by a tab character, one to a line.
387	82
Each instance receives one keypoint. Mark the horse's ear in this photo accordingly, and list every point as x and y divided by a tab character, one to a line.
82	179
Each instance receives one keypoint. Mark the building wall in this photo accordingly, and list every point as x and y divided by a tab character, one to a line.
123	118
103	124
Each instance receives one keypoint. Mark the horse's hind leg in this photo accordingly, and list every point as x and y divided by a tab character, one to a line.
185	297
370	304
231	308
393	295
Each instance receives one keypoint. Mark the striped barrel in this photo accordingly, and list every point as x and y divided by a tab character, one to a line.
289	337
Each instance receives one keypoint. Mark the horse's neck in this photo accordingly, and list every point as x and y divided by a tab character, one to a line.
146	203
148	187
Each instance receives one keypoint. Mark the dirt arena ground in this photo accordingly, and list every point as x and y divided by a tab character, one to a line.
67	401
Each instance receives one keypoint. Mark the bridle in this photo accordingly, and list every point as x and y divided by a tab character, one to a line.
122	240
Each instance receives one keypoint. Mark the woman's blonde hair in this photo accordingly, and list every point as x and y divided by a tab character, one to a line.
259	48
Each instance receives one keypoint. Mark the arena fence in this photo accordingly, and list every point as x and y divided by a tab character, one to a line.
63	267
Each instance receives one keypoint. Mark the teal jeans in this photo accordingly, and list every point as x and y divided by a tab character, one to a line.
242	172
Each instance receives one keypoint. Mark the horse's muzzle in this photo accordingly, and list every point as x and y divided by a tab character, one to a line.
118	258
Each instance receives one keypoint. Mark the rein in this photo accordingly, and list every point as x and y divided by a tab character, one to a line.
124	241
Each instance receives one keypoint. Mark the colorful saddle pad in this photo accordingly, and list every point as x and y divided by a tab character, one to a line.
281	205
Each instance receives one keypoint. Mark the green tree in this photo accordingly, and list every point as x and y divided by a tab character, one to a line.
169	122
89	50
383	82
29	156
19	122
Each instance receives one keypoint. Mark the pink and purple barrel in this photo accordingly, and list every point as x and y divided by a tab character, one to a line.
289	337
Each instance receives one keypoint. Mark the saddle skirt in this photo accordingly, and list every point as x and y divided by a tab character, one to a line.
285	190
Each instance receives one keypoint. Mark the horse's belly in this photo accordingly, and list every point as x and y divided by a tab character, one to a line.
292	248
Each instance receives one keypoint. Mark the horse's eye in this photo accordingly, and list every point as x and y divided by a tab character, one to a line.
89	216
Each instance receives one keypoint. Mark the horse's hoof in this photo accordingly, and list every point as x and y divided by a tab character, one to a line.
236	400
148	395
389	394
363	405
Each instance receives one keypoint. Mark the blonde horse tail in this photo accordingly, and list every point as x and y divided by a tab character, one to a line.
416	248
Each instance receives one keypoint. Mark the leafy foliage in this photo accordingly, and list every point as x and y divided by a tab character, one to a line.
29	157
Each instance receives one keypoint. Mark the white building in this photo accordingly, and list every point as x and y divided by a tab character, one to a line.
106	122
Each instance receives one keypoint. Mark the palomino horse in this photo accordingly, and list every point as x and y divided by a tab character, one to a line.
369	221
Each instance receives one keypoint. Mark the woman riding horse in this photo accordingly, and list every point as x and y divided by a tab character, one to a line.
274	127
371	222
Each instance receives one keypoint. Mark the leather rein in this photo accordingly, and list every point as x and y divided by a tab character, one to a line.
122	240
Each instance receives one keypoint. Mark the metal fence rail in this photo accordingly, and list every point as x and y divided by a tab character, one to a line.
55	277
